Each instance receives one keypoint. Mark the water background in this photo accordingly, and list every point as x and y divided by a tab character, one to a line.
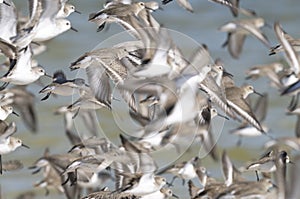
202	26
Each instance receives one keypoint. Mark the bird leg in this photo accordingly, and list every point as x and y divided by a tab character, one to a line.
257	177
183	182
172	181
293	103
4	86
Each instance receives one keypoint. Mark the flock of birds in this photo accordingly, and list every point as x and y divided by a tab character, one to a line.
169	96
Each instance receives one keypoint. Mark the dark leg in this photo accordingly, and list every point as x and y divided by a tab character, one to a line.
257	177
47	191
4	86
76	113
172	181
65	182
293	103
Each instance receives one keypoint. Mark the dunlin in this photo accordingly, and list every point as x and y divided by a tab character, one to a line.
268	70
52	166
236	99
50	29
8	143
62	86
5	111
24	71
290	53
237	32
260	111
65	10
49	25
267	162
216	93
115	13
87	101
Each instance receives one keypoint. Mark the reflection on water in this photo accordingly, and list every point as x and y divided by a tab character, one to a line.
202	27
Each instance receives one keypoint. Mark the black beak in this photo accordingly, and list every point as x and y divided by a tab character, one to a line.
23	145
32	167
257	93
75	30
175	196
36	171
15	113
6	3
77	12
134	55
290	162
165	1
223	116
225	73
48	75
150	9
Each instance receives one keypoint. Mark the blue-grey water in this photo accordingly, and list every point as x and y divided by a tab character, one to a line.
202	27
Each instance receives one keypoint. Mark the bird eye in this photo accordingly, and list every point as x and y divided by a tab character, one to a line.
67	23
